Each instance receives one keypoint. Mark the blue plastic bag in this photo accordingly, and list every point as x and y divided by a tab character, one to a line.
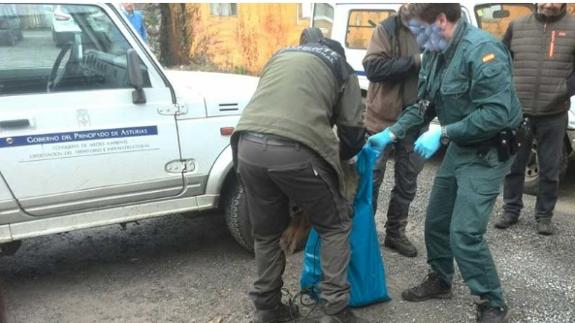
366	274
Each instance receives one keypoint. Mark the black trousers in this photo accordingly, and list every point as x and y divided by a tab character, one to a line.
549	132
408	165
273	174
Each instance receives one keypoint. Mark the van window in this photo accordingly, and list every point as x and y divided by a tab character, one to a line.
360	25
495	18
323	18
55	48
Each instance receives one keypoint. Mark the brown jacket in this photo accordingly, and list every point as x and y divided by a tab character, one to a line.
391	64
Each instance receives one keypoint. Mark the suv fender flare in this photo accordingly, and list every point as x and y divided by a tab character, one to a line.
219	172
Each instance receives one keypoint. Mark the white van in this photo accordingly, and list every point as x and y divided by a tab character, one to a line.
93	131
352	24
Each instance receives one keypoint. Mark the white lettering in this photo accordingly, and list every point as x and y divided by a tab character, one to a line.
42	140
134	132
84	136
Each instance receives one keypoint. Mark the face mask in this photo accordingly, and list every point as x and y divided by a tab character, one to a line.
428	37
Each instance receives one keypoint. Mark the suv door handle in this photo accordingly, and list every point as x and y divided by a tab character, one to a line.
16	123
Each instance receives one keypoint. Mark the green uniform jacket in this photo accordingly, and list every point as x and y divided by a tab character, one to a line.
299	98
470	88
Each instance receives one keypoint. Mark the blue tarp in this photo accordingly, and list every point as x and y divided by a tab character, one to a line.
366	273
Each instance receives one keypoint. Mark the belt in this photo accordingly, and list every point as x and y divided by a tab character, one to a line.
269	139
505	142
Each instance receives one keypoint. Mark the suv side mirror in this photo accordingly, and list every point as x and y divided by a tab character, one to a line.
500	14
136	77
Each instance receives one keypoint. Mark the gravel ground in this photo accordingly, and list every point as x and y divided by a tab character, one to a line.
188	269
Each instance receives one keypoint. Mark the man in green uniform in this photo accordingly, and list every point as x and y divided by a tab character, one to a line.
465	81
287	151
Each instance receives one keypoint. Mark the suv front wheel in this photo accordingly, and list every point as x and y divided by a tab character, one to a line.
237	216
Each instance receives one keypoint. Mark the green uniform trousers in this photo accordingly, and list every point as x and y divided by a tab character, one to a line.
465	188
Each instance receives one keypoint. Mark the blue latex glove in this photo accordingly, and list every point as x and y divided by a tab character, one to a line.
428	143
380	141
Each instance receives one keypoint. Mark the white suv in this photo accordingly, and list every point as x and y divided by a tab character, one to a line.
96	132
352	24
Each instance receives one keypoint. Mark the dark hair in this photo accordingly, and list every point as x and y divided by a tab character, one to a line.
428	12
310	35
314	35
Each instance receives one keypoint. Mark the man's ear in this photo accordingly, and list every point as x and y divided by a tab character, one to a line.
441	21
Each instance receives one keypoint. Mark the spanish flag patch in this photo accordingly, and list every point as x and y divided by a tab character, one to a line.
488	58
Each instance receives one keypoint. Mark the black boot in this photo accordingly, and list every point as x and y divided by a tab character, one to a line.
545	227
432	287
395	237
489	314
401	244
344	316
281	313
506	220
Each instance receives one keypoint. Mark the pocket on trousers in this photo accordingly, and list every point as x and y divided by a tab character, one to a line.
329	177
294	167
487	188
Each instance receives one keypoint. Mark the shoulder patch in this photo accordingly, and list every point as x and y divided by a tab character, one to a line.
488	58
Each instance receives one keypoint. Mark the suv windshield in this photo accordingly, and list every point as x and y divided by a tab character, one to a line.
50	48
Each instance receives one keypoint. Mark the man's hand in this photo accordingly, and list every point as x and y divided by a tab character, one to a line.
381	140
428	143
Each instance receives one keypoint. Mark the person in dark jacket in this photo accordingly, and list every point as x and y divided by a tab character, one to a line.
543	50
392	66
287	151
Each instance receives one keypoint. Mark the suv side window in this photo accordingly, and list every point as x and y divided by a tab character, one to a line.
55	48
360	24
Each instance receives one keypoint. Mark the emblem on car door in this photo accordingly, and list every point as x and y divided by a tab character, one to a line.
83	118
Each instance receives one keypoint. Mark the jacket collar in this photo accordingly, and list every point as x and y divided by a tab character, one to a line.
457	35
546	20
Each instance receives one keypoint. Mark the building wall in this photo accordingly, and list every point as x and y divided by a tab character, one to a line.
244	42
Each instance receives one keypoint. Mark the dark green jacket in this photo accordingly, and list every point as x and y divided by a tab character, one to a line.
470	87
298	97
543	51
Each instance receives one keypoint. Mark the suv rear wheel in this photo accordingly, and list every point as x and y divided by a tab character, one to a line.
237	216
532	170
